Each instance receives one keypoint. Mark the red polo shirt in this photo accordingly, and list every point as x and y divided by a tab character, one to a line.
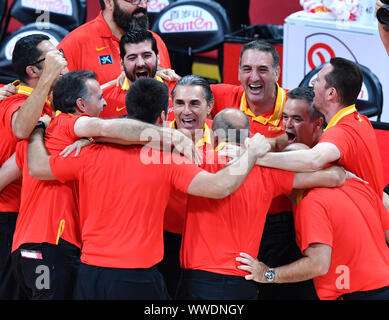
352	220
123	195
216	231
10	195
49	209
355	138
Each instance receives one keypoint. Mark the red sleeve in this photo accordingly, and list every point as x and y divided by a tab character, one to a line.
276	181
312	223
66	169
9	107
21	150
182	172
163	53
69	45
226	96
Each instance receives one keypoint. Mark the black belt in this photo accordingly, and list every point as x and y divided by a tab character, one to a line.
8	216
362	294
279	217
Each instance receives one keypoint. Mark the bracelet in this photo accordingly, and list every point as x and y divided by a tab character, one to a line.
91	140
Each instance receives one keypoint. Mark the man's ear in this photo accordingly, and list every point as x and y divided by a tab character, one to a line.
109	4
161	119
210	107
80	105
32	72
277	74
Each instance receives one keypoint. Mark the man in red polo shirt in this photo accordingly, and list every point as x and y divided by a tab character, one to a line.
120	250
192	101
139	58
95	45
38	65
216	229
349	137
341	264
261	98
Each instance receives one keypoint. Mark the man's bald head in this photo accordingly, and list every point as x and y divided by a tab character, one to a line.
231	125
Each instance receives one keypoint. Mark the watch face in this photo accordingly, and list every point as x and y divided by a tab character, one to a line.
270	275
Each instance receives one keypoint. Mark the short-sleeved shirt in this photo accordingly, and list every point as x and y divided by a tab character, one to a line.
123	195
352	220
92	46
354	136
115	96
216	231
10	195
49	209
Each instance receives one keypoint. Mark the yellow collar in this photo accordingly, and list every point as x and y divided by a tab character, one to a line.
59	112
25	90
278	108
206	139
340	115
126	82
22	89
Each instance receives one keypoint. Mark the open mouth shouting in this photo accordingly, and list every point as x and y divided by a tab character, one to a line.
291	137
142	73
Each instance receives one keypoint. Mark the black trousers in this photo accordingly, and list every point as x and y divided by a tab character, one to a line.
170	264
377	294
278	247
204	285
9	287
96	283
46	271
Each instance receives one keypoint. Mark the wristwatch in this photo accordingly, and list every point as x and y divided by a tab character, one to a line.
270	275
40	124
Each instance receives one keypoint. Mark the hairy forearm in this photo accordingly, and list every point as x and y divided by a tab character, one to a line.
329	178
123	131
299	270
38	157
25	119
9	172
299	161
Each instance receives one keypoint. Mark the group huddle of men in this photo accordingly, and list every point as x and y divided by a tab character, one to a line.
144	185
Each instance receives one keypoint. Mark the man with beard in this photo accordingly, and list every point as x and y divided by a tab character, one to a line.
95	45
139	57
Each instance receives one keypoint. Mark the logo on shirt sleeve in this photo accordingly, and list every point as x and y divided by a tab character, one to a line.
107	59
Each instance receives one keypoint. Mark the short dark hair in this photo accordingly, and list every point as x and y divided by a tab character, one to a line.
69	88
134	36
262	46
307	93
346	77
146	99
304	93
194	80
231	125
26	53
102	4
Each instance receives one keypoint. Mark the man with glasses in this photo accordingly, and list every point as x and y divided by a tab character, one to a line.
38	65
95	45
